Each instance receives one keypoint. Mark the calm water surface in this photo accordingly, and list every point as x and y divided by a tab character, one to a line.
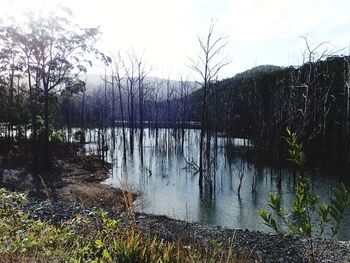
169	189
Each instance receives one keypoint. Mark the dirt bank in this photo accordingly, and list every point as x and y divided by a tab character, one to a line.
72	177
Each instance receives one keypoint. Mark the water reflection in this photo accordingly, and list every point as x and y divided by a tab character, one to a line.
169	188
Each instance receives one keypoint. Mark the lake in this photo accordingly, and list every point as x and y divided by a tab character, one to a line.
168	188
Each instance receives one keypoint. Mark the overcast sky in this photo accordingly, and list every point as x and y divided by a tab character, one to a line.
258	31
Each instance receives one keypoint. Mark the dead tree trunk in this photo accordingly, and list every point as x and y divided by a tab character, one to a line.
207	66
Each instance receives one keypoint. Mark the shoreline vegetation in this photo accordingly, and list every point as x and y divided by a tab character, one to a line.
71	189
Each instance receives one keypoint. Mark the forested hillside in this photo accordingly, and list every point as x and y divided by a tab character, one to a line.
312	99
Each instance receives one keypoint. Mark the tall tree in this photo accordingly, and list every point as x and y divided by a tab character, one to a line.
58	53
207	65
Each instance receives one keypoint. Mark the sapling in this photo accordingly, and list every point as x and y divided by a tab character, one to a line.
308	217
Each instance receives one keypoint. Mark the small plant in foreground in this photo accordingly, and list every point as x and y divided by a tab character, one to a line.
308	217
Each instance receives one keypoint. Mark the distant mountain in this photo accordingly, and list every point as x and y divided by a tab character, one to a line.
257	71
94	81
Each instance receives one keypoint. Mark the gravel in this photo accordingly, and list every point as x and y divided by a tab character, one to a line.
264	247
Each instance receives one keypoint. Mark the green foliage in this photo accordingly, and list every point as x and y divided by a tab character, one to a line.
308	217
40	125
57	137
79	136
93	238
295	149
269	219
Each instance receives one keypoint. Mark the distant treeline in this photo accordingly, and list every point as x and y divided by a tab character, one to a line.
169	106
258	104
312	100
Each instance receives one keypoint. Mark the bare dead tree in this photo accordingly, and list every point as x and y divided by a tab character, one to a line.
156	96
170	92
118	81
142	71
207	65
130	90
186	88
113	106
316	96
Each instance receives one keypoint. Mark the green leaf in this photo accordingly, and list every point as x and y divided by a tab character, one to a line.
106	254
98	243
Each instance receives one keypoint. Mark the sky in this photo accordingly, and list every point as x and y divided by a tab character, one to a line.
166	31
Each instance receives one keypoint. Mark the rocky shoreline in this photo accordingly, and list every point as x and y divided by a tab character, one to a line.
260	246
